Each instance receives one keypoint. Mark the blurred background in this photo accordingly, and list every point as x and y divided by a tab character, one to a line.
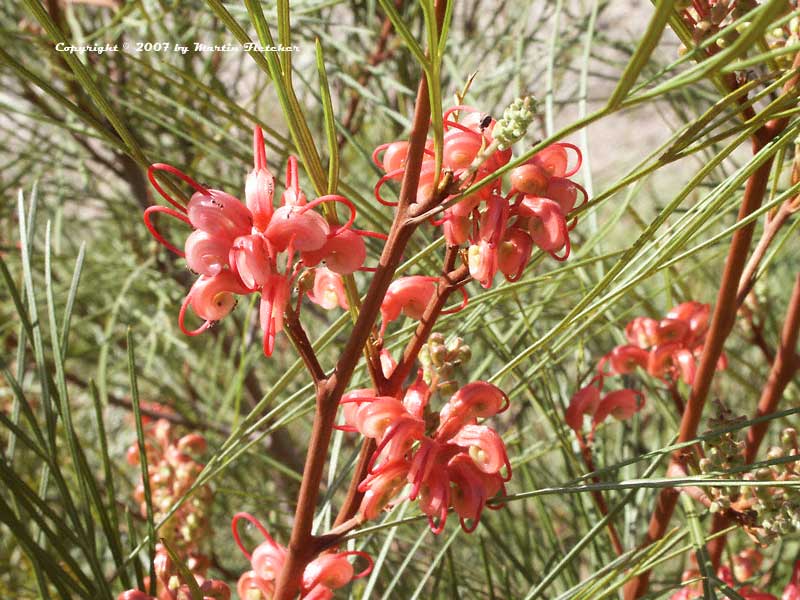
77	132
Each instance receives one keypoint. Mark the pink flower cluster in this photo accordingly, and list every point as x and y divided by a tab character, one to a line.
745	565
240	248
457	461
500	228
620	404
172	470
327	572
171	585
667	349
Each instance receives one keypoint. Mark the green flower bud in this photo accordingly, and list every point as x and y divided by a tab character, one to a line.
515	122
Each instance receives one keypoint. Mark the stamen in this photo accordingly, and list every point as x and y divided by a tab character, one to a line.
182	316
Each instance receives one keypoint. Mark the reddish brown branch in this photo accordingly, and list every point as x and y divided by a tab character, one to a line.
303	346
722	323
353	498
781	374
302	544
770	232
599	499
783	370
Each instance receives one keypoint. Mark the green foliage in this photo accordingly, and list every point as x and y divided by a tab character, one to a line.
89	303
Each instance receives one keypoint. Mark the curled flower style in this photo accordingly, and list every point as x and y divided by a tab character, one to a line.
409	296
668	349
458	462
500	228
239	249
327	572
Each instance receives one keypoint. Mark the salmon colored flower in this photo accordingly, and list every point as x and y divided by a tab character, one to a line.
501	228
255	247
408	296
620	404
321	576
668	348
328	290
459	463
173	586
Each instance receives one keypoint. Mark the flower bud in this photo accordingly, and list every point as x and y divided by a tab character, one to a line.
259	192
219	214
515	121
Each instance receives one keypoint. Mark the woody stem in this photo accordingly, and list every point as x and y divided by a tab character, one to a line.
301	546
784	368
722	322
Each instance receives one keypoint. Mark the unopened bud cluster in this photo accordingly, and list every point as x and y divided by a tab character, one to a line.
786	36
778	508
515	121
773	512
723	454
707	19
172	470
442	363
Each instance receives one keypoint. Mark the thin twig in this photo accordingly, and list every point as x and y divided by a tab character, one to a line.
303	346
599	499
785	211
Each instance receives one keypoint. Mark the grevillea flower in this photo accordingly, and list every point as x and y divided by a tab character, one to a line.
239	249
501	228
694	589
589	400
667	349
172	585
328	289
459	463
410	296
327	572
